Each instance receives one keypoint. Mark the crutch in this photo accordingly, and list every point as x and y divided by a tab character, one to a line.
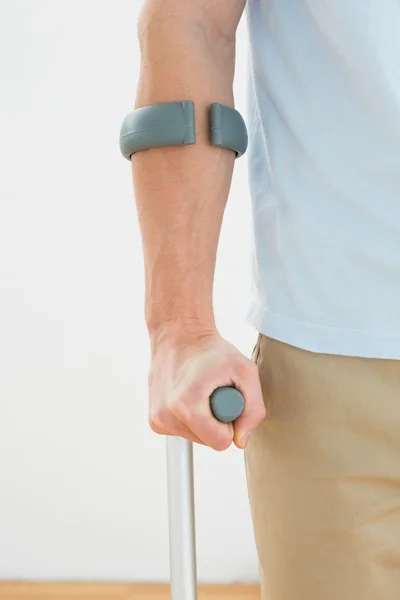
227	404
173	124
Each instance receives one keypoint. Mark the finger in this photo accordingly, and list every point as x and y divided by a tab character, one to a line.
218	436
198	418
173	427
188	435
254	408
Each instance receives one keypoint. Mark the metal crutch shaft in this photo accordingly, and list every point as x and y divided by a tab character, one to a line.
227	404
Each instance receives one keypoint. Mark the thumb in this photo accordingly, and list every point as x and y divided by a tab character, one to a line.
254	409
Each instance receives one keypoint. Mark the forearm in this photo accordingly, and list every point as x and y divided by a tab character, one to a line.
181	192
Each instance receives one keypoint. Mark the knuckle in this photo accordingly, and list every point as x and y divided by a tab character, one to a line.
261	417
157	422
178	409
221	444
258	414
253	417
246	369
154	425
263	411
220	447
260	410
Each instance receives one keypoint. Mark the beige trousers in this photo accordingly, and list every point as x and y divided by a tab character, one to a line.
323	475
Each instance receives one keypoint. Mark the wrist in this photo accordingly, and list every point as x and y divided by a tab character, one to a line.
179	330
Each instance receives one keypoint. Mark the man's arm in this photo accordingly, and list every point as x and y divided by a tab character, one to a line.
187	53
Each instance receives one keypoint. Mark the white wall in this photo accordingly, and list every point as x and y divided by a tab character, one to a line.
82	478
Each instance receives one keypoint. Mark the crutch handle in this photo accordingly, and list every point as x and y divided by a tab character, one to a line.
227	404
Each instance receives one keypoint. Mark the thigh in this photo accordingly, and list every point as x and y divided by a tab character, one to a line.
323	475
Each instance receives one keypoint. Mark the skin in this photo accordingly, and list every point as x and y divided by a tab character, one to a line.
188	53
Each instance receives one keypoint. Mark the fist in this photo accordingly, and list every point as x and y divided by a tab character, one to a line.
186	367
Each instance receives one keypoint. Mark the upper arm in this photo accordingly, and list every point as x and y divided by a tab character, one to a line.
218	17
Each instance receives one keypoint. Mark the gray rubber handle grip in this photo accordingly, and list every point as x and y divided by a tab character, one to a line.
227	404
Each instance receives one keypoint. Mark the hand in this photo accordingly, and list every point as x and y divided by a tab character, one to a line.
187	366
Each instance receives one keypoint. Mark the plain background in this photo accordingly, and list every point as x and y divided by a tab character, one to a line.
82	478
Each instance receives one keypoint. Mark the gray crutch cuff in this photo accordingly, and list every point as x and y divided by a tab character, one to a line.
173	124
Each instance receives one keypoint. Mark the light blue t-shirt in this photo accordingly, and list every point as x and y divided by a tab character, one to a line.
324	169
